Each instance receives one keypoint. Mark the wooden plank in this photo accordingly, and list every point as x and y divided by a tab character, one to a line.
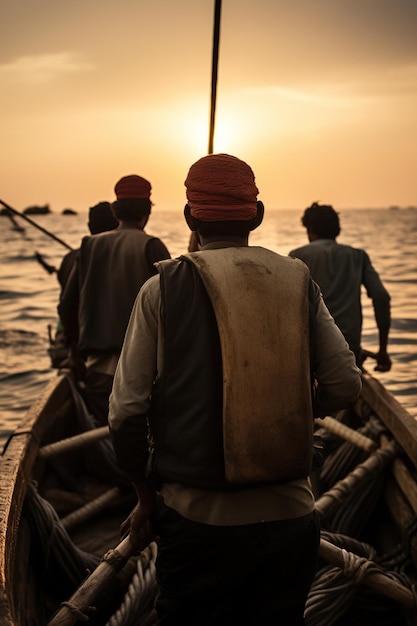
401	514
395	417
406	482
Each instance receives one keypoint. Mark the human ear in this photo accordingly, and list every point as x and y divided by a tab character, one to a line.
192	224
257	220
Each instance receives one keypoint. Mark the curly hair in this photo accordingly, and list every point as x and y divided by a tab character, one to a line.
322	220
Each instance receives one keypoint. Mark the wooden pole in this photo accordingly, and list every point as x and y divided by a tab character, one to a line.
344	432
373	576
16	226
25	217
214	71
80	602
73	443
91	508
331	499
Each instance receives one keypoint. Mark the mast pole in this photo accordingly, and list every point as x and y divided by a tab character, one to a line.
214	68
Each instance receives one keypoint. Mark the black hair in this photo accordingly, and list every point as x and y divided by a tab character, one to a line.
101	218
240	228
322	220
132	209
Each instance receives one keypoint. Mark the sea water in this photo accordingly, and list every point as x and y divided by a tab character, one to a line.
29	293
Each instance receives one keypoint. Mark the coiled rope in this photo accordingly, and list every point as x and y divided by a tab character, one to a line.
340	595
53	549
137	605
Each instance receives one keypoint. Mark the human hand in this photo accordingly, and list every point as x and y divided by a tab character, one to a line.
138	527
383	362
138	524
76	364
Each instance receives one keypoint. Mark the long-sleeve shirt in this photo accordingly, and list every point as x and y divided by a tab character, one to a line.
340	271
141	361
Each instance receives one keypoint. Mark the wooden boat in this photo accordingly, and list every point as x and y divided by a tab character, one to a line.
62	502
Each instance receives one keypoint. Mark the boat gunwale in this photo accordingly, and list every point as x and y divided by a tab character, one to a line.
19	457
16	465
401	424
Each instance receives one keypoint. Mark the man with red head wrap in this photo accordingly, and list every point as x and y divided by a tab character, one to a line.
211	413
98	297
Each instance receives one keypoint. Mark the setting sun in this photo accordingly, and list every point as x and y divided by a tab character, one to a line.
315	108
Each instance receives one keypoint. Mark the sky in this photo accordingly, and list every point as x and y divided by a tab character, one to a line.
318	96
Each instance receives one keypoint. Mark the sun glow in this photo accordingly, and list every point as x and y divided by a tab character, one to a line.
225	133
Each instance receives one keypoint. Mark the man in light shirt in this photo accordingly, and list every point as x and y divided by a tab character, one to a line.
340	271
212	411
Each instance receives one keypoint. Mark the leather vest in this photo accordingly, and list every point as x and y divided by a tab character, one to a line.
233	405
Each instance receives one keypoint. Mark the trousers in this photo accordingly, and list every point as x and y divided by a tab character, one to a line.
234	575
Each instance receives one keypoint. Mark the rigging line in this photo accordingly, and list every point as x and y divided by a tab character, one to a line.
214	67
25	217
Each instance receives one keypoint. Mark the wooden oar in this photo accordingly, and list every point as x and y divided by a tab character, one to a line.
80	602
16	226
345	432
25	217
49	268
368	572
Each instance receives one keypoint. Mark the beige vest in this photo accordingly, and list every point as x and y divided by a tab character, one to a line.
261	304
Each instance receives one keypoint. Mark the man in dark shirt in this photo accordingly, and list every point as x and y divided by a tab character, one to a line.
97	300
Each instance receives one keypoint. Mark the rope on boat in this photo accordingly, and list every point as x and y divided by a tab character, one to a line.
342	457
339	429
111	563
79	615
349	504
53	550
100	458
337	593
368	469
397	558
74	443
91	508
365	571
336	599
137	605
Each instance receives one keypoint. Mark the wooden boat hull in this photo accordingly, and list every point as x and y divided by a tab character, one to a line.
38	483
366	494
17	463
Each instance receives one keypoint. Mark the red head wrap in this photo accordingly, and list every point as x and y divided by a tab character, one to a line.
132	187
221	187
